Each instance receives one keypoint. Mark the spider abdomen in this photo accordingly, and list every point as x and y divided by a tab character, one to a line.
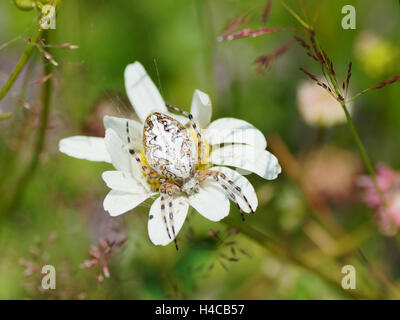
169	147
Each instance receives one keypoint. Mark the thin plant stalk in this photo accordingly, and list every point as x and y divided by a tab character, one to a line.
363	153
21	63
359	144
355	97
297	17
25	56
23	182
18	127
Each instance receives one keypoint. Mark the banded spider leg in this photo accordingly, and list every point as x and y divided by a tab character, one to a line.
217	175
166	190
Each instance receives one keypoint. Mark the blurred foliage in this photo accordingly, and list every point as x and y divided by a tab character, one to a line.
176	41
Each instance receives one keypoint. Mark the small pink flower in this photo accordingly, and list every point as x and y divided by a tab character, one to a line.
387	212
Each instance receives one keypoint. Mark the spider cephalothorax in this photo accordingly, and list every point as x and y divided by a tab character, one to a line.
173	159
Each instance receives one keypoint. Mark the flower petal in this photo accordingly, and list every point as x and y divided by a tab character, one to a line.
180	118
119	202
201	108
211	201
143	94
231	130
245	186
121	159
119	127
118	151
123	181
156	225
81	147
249	158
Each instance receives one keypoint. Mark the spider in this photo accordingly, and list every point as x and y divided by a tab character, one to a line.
173	159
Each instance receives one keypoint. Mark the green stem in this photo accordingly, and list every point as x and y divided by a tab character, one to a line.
21	63
359	144
364	156
361	150
23	182
296	16
269	244
358	94
353	98
18	124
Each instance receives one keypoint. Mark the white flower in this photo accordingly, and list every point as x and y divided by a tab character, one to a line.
318	107
243	147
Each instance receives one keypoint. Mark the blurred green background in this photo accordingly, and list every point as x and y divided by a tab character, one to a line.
176	41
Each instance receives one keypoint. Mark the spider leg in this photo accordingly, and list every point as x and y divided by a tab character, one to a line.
216	175
151	173
194	126
167	188
163	214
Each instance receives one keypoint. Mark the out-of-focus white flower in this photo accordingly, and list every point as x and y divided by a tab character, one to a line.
317	107
227	142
